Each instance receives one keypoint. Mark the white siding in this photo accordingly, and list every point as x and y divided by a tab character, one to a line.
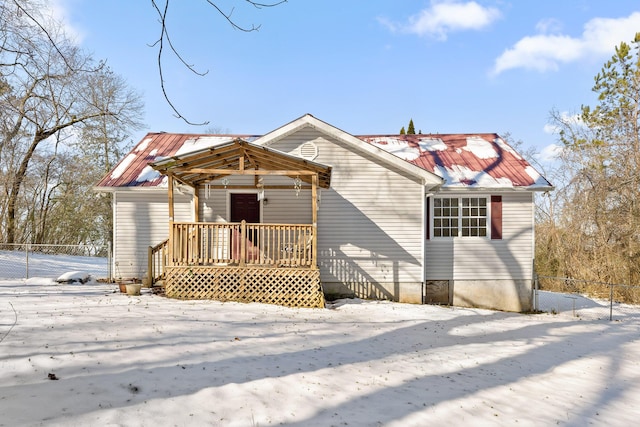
141	219
214	205
369	221
465	258
282	206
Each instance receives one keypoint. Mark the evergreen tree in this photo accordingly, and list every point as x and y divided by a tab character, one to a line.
596	232
402	131
411	130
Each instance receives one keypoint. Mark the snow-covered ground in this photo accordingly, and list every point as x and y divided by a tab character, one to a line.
86	355
20	265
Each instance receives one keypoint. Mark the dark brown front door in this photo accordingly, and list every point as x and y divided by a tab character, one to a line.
245	206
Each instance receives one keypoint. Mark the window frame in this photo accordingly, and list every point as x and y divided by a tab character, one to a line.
460	218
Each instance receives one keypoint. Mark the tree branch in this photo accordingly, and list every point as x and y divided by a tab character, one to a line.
160	43
51	40
164	35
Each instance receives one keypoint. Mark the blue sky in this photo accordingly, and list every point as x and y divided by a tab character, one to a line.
366	67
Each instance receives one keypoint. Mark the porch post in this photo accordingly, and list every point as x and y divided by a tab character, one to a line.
196	203
197	232
314	221
171	241
170	181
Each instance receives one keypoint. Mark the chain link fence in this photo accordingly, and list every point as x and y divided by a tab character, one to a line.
586	299
24	261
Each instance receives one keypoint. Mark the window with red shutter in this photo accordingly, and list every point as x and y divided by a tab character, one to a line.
460	217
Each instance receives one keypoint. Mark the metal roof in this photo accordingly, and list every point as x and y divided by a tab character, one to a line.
462	160
134	169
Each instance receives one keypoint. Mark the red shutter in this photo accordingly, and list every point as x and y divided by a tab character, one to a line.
496	217
428	227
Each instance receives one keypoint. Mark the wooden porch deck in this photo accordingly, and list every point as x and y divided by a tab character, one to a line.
269	263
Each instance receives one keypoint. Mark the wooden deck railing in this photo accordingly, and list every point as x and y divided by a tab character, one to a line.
157	258
277	245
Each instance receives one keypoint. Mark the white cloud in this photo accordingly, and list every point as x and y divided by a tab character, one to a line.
546	52
551	129
549	25
550	153
59	10
567	119
444	17
541	53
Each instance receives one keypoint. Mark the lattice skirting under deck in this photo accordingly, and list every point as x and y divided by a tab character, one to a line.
292	287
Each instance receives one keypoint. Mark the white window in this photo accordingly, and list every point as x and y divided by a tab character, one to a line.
460	216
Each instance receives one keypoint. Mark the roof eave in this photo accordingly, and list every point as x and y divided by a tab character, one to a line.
458	188
102	189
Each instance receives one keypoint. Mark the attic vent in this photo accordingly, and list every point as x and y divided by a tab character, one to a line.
308	151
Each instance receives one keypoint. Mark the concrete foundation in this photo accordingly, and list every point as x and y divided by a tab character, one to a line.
504	295
410	293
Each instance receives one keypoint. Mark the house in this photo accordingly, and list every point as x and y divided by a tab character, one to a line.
311	209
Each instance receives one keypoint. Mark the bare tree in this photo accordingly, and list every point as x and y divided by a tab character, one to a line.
596	232
58	107
27	9
52	91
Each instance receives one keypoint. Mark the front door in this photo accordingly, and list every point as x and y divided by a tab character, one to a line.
245	206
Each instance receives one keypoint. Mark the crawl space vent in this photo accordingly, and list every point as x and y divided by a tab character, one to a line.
308	151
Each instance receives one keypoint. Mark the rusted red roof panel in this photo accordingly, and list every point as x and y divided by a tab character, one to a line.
462	160
134	170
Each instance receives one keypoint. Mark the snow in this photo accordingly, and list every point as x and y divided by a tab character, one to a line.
123	165
19	265
148	174
74	277
457	175
397	147
480	148
504	146
432	144
537	178
201	143
80	355
143	145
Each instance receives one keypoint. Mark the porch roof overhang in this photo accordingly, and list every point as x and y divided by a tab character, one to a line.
239	157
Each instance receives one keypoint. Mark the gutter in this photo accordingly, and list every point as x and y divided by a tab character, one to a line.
128	189
457	189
